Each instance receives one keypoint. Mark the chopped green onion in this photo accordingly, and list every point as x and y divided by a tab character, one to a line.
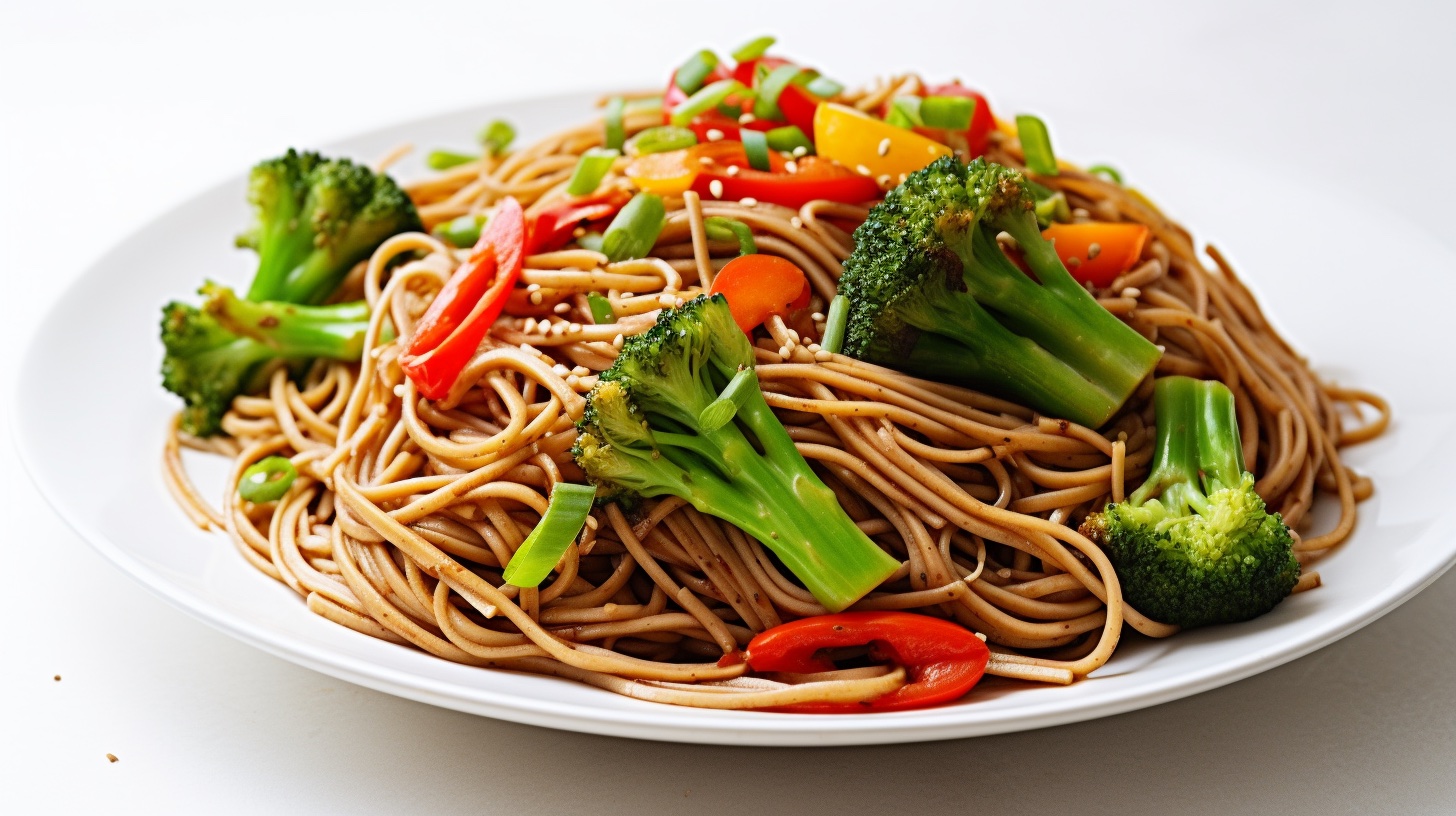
635	229
601	309
755	146
497	136
722	410
704	100
267	480
663	138
647	104
592	241
591	168
769	87
904	112
446	159
612	117
824	87
786	139
753	49
1053	208
1106	170
463	231
947	112
834	325
691	75
1036	145
731	229
542	550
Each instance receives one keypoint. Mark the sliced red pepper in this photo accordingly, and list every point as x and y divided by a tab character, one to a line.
447	336
553	226
1119	246
795	103
758	286
814	178
942	659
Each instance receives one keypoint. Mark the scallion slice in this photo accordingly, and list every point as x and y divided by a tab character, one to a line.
635	229
824	87
691	75
601	309
1106	170
719	228
947	112
770	87
267	480
1036	145
721	410
786	139
647	104
753	49
612	118
497	136
755	146
663	138
704	100
591	241
591	168
542	550
446	159
904	112
463	231
834	325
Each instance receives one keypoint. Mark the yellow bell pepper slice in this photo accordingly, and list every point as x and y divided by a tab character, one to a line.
870	146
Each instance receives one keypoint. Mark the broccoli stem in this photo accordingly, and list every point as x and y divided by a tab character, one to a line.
1198	449
335	332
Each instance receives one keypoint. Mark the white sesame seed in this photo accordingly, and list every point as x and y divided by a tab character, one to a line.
930	148
784	352
399	390
591	522
981	635
705	160
536	298
794	336
715	135
1131	292
1093	250
822	356
1162	347
572	380
800	152
715	188
376	351
530	327
884	147
580	371
796	222
558	329
618	341
560	370
535	287
813	347
733	170
664	300
745	118
573	328
561	308
791	166
903	176
748	202
578	232
529	348
883	181
817	317
862	170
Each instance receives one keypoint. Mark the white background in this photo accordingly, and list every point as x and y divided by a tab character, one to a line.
110	112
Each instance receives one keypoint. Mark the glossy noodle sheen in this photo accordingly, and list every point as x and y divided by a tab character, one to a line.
405	511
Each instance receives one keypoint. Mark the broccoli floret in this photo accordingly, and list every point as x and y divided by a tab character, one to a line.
229	346
645	433
315	219
932	293
1195	545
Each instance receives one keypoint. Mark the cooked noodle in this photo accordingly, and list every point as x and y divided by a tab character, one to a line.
406	510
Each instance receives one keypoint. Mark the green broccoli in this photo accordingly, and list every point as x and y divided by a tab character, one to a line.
655	424
1195	545
229	346
932	293
315	219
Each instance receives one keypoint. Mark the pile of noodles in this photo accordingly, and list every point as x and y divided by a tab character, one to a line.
406	510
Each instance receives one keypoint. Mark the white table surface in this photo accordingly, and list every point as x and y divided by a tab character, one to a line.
109	112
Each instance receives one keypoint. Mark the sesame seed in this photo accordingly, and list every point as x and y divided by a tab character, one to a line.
791	166
535	287
558	329
572	380
678	303
800	152
376	351
784	352
618	341
884	148
715	135
931	149
591	522
535	298
732	170
561	308
796	222
560	370
748	202
664	300
1073	263
530	326
573	328
399	390
883	181
527	347
862	170
580	371
578	232
715	188
705	160
1093	250
817	317
903	176
822	356
1131	292
1162	347
813	347
981	635
793	335
745	118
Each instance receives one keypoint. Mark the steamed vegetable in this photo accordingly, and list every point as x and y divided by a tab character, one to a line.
641	435
932	293
1195	545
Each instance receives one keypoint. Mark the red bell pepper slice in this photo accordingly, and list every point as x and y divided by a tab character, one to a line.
553	226
758	286
1119	246
447	336
795	103
942	659
815	178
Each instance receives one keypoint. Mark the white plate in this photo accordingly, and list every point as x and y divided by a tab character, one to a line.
91	412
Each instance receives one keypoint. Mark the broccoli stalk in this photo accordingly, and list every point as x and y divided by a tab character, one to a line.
641	434
230	346
1195	545
315	219
932	293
